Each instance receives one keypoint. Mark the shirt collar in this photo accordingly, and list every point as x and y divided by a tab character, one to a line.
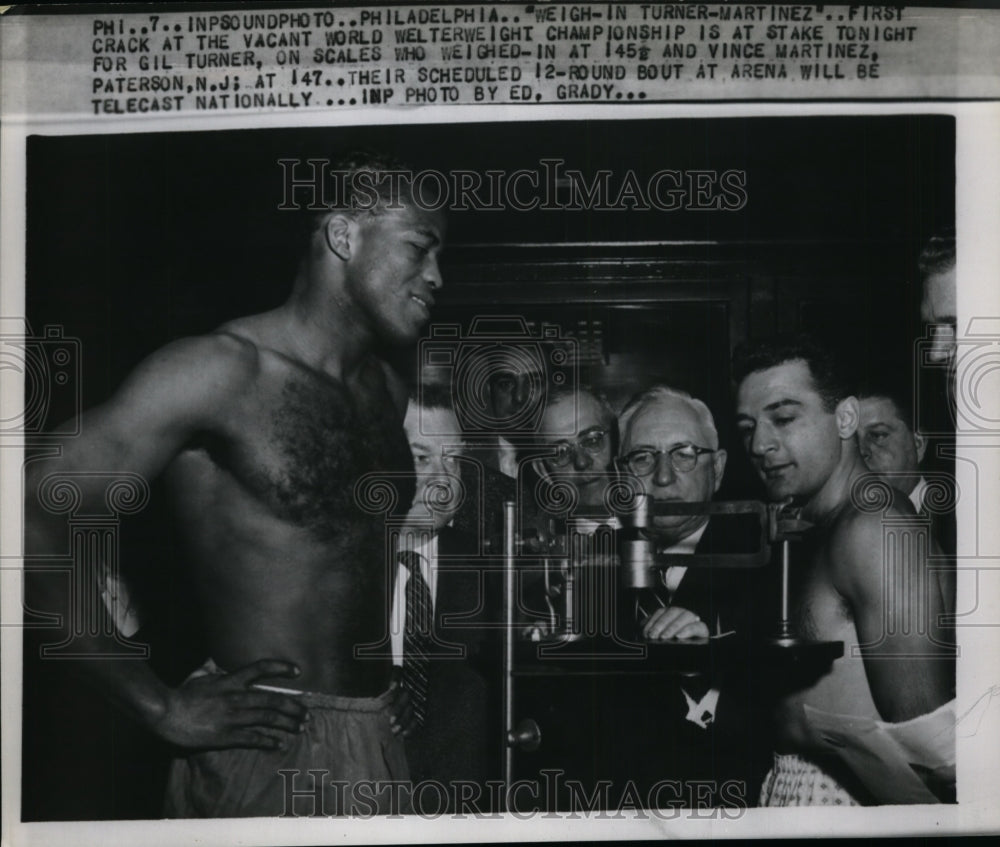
917	495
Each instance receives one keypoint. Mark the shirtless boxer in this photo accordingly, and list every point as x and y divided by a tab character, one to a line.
798	425
261	430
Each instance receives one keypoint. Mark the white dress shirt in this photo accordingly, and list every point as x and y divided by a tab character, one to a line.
917	495
673	575
428	550
700	712
506	457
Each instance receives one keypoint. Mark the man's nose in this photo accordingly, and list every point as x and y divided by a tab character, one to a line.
664	473
762	441
582	460
432	273
865	448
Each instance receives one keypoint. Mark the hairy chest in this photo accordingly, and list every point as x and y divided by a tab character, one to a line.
306	444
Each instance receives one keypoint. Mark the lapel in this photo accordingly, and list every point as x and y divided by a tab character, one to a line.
695	594
700	589
456	585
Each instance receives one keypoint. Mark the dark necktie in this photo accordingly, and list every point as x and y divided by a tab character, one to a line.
417	634
649	600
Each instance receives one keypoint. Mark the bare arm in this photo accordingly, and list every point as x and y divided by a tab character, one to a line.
179	391
883	574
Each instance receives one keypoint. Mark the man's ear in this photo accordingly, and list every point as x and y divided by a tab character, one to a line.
920	442
719	466
847	417
338	232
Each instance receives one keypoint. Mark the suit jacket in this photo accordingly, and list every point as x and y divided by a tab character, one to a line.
723	597
736	747
461	736
480	515
942	517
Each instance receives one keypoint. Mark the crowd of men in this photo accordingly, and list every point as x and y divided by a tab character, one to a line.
340	654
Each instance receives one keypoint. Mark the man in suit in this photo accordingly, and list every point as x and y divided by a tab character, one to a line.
706	725
504	403
497	404
891	447
936	266
889	444
670	445
567	482
453	732
580	432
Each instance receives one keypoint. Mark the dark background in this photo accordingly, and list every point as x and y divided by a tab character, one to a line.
135	240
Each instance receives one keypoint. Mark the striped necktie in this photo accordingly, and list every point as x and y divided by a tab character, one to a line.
417	634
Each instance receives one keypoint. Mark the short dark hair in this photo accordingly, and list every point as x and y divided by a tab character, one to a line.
896	392
433	395
829	375
375	163
559	392
349	200
938	254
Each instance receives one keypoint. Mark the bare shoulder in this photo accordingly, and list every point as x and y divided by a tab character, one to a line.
182	389
855	524
219	362
858	541
183	386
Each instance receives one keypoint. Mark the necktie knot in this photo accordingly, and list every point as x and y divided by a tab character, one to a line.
410	560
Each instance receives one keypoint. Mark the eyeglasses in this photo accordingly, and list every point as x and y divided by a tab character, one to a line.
593	441
683	457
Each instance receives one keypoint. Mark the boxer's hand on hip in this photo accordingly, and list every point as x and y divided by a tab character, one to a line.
224	710
402	717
